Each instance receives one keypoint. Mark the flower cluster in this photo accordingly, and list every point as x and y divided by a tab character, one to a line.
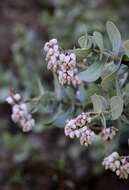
80	127
52	56
117	164
20	113
67	73
63	64
87	136
77	127
108	133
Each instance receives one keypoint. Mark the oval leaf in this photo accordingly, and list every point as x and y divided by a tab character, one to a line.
99	40
99	103
114	36
116	104
92	73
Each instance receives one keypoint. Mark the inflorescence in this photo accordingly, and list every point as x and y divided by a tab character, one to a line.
79	127
117	164
108	134
20	113
63	64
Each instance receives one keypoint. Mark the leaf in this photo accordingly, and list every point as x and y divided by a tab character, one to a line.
114	36
81	53
81	93
104	102
118	89
99	40
103	120
98	103
90	41
41	89
92	89
63	117
68	95
109	81
83	41
108	69
92	73
124	119
126	47
116	104
48	119
57	88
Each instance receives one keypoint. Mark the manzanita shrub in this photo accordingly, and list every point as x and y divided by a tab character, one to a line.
91	92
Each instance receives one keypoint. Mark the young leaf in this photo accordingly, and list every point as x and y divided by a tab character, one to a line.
116	104
114	36
99	40
92	73
83	41
126	47
81	53
90	41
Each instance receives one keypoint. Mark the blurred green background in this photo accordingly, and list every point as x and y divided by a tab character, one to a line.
45	159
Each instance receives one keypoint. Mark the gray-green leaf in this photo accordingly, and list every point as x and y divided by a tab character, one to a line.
114	36
116	104
103	120
108	69
99	40
63	117
98	103
108	82
92	73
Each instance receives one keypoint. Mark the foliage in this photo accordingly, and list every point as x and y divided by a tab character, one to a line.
103	67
